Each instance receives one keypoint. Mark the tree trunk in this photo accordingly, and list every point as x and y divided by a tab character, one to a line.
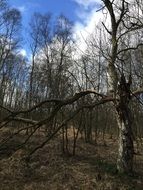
126	150
124	119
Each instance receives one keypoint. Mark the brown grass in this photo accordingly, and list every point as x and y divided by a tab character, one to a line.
93	168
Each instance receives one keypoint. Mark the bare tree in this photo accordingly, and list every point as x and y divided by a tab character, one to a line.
119	86
56	76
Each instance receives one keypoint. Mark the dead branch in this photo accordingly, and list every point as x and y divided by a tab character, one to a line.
58	102
104	100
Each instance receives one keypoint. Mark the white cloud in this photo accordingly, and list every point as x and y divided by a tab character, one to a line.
23	52
88	20
83	30
87	3
22	9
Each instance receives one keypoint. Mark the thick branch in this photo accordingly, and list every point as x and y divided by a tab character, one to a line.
37	125
130	48
104	100
138	91
58	102
24	120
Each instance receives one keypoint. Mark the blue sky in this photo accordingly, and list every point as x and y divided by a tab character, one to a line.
81	12
56	7
73	9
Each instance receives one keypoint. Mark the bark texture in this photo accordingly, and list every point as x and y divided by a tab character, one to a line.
126	149
119	88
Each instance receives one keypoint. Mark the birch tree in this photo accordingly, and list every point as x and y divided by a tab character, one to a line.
122	18
123	23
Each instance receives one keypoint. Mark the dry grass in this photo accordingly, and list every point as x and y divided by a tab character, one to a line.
93	168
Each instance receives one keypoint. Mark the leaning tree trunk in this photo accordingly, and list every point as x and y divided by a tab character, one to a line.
126	149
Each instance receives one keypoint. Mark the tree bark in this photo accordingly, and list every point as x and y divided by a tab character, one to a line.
124	119
120	89
125	154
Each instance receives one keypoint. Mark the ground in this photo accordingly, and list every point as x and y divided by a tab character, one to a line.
92	168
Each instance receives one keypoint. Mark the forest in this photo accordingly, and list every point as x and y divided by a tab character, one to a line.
71	119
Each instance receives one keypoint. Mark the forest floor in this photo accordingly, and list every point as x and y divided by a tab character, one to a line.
92	168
